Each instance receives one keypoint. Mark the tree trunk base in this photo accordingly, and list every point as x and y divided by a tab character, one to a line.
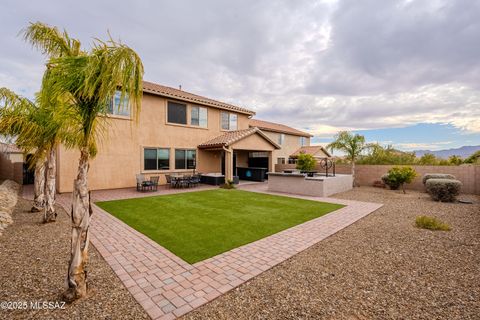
36	209
51	217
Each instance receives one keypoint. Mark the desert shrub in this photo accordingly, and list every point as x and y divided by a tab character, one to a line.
306	162
445	190
431	223
437	176
397	177
228	185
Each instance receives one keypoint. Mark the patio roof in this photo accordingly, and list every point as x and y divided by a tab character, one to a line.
231	137
178	94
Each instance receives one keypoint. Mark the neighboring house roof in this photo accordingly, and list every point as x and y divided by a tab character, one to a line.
173	93
277	127
312	150
9	148
231	137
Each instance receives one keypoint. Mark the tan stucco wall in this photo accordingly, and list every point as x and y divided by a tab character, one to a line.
11	167
120	154
289	146
254	142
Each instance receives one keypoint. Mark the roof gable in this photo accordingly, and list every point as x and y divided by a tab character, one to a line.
277	127
232	137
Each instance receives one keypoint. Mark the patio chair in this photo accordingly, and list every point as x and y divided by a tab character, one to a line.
140	182
195	180
170	181
154	183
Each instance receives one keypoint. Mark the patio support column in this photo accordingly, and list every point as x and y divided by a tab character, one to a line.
271	162
228	164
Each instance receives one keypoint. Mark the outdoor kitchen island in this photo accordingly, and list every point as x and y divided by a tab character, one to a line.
316	186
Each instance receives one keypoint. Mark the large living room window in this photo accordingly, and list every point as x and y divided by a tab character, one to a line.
229	121
185	159
156	159
199	117
118	106
177	112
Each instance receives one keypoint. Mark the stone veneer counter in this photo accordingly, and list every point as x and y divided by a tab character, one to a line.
317	186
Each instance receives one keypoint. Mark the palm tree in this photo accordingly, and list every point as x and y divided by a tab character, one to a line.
86	81
17	117
38	129
352	145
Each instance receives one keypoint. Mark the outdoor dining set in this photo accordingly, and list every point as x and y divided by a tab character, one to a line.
173	181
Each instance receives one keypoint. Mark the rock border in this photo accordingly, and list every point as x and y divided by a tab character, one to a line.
9	191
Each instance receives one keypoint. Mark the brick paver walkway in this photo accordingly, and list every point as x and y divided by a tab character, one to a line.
168	287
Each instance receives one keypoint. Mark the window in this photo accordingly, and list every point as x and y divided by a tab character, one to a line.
177	113
156	159
280	160
281	139
199	117
118	106
229	121
292	160
303	141
185	159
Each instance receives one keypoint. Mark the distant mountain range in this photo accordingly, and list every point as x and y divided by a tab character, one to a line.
463	152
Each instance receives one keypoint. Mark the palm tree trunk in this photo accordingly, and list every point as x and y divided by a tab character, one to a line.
39	187
353	174
81	212
49	214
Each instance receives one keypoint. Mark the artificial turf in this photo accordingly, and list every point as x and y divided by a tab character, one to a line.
199	225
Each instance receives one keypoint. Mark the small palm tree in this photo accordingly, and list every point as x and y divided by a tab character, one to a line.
352	145
38	129
17	120
86	81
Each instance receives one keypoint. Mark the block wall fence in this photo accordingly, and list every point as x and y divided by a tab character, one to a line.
469	175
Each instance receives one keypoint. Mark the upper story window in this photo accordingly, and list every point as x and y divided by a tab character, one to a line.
229	121
118	106
156	159
303	141
176	112
199	117
281	138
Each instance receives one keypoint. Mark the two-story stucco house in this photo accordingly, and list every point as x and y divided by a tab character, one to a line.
177	131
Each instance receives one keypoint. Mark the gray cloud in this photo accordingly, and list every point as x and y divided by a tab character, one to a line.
316	65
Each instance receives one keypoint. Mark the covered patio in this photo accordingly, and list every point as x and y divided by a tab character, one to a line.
245	154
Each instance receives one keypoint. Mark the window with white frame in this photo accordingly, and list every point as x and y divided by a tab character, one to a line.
303	141
185	159
229	121
199	116
281	138
118	106
156	159
280	160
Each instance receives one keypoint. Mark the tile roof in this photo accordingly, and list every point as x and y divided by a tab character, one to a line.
173	93
277	127
312	150
231	137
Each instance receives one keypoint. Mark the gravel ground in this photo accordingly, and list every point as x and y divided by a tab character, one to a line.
33	266
381	267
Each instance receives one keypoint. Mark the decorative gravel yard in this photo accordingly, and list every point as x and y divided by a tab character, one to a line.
199	225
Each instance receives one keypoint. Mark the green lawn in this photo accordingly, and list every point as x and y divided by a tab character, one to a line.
199	225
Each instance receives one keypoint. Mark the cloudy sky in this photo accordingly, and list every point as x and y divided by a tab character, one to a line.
403	72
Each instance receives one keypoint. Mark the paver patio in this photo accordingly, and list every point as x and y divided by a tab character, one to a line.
168	287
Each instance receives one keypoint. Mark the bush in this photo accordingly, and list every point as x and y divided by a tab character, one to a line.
431	223
427	176
228	185
306	162
445	190
398	176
